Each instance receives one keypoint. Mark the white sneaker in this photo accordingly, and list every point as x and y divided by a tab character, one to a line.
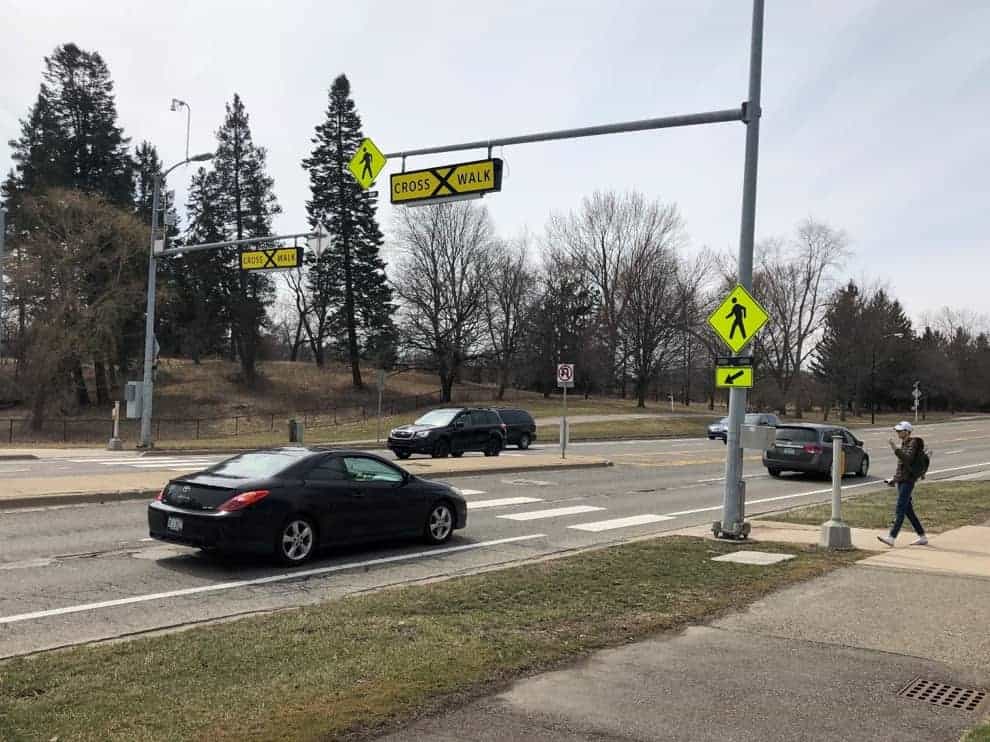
920	541
886	539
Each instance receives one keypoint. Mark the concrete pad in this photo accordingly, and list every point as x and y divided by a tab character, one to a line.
712	684
961	551
761	558
937	618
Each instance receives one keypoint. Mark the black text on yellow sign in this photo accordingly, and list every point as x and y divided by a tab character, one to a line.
727	377
280	258
466	178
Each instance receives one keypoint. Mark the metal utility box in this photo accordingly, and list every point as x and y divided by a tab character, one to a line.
296	432
758	437
134	398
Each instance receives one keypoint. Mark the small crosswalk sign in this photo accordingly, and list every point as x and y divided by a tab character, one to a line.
738	319
366	163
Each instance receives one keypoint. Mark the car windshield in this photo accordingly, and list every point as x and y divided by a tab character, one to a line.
797	435
437	417
753	418
259	465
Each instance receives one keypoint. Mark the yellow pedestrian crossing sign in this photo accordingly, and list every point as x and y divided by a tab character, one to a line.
727	377
738	319
366	163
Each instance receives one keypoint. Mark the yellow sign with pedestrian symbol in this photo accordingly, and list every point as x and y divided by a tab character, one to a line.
465	179
366	163
738	319
281	258
727	377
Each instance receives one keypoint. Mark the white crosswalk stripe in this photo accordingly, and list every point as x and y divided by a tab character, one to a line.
164	462
501	502
468	493
552	513
608	525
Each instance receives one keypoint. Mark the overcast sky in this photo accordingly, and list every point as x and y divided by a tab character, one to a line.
875	113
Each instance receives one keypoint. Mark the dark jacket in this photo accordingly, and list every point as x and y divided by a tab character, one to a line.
911	448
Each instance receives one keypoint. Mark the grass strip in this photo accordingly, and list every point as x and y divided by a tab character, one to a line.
359	665
940	505
978	734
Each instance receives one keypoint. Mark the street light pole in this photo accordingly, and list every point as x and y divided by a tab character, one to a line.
147	387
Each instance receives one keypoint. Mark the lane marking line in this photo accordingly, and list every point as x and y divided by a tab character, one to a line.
258	581
552	513
878	482
502	502
469	492
608	525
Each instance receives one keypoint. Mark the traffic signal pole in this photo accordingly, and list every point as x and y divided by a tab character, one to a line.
733	523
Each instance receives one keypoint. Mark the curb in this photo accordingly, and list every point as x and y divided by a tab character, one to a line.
18	457
76	498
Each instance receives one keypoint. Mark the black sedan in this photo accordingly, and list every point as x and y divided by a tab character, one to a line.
291	501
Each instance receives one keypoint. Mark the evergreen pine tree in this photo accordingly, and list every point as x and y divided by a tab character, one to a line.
348	280
244	204
70	138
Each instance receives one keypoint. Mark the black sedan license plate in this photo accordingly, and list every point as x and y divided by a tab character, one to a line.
174	524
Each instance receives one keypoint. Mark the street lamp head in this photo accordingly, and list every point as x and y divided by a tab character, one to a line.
201	158
176	103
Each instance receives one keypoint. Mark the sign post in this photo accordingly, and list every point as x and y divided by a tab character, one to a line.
736	321
115	443
565	380
916	393
381	389
835	533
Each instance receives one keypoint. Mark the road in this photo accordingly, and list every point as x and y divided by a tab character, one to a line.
79	573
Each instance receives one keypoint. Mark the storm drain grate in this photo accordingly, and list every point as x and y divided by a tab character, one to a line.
941	694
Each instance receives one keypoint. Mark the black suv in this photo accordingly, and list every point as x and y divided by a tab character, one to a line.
520	427
450	431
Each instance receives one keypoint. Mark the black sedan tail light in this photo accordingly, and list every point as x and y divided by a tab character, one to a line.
241	501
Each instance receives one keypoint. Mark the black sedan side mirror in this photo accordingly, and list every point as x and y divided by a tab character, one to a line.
459	425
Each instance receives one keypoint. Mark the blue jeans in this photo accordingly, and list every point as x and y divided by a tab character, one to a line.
905	508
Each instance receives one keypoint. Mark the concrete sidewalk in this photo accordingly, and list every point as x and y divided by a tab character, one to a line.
114	486
819	661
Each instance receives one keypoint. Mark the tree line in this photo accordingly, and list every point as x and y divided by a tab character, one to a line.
612	285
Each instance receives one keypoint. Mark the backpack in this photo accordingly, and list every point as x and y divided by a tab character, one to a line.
919	467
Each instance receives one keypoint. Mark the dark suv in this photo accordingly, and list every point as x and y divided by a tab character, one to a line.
520	427
450	431
808	448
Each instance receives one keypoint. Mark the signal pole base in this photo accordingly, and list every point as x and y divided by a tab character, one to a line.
115	444
737	532
835	535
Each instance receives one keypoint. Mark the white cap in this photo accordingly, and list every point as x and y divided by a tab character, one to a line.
904	425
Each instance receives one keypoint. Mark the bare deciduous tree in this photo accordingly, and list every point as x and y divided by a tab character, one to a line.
509	295
64	237
443	269
794	280
603	239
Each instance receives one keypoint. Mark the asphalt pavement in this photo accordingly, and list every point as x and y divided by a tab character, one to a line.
80	573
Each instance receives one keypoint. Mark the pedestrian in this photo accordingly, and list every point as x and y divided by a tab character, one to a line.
909	454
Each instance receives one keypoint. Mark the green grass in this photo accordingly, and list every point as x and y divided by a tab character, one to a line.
978	734
360	664
940	506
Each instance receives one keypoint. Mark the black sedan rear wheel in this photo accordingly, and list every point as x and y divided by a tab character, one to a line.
524	441
296	540
439	524
864	466
493	447
773	471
